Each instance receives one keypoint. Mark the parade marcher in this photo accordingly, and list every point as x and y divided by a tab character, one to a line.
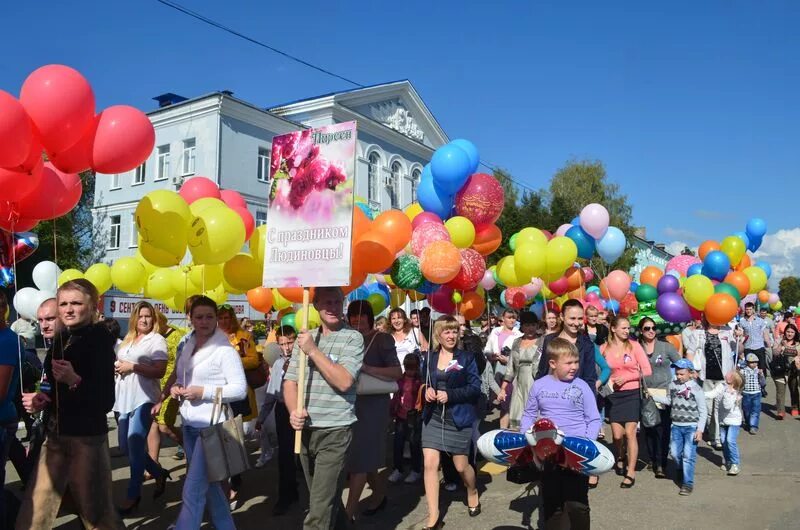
597	332
751	394
407	424
498	351
520	370
727	398
784	369
9	389
407	338
757	338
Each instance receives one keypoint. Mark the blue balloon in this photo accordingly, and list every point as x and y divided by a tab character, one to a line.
696	268
366	209
613	306
450	167
744	237
362	293
427	287
717	265
431	197
583	241
503	298
756	227
611	246
593	289
576	221
634	286
472	153
537	308
755	242
765	266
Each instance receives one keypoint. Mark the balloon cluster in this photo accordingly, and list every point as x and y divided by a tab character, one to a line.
55	114
28	299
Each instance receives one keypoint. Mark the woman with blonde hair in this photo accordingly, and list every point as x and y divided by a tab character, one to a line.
141	363
453	387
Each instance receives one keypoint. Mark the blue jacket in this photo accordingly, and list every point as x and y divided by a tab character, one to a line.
463	388
586	350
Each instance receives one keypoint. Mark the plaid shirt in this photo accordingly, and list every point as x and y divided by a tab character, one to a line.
751	381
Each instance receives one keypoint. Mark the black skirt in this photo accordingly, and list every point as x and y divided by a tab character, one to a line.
623	406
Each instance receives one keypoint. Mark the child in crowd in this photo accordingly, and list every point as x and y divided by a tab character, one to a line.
751	395
569	402
728	400
689	415
405	408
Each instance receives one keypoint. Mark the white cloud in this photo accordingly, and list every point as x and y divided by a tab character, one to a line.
676	247
782	251
681	233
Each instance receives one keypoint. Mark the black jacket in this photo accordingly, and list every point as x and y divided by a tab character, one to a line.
586	371
463	388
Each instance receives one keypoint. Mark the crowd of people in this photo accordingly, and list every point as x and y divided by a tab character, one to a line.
428	384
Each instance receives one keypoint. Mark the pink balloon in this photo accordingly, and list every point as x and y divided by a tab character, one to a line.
473	268
592	297
594	220
618	284
548	234
123	140
533	288
232	198
60	102
425	217
16	133
681	264
562	230
480	199
426	234
56	195
588	274
560	286
488	280
247	219
199	188
773	298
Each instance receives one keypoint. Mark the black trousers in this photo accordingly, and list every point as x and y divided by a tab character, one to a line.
287	466
565	499
657	439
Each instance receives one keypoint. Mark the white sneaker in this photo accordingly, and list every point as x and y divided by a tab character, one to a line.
724	467
734	470
412	477
396	476
450	486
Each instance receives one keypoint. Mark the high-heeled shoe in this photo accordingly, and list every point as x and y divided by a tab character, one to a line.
474	511
130	509
439	524
382	506
161	483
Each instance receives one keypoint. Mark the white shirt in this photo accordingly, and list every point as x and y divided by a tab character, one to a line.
134	390
214	365
408	345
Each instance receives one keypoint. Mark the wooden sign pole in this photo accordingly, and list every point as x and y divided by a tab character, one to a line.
301	376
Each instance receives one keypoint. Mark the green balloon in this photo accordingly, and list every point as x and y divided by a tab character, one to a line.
728	289
378	303
512	242
289	320
797	310
406	273
646	293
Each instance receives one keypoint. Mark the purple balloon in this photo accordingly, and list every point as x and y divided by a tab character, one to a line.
673	308
668	284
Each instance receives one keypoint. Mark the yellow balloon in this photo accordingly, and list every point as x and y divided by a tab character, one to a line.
216	235
413	210
182	283
258	243
230	289
397	297
149	267
243	272
531	235
159	284
734	248
414	296
176	302
217	294
697	290
203	204
205	276
279	302
313	318
158	257
388	279
462	231
69	275
547	293
561	254
129	275
162	217
530	259
757	277
777	306
100	276
506	271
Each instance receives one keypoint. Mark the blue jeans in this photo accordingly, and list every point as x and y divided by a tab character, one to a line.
198	493
730	449
684	450
751	407
133	428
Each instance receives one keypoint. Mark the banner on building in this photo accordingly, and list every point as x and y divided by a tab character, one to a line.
310	219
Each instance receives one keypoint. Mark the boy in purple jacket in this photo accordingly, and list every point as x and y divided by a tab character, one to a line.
569	402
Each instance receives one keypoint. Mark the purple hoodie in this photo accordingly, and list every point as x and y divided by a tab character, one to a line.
570	405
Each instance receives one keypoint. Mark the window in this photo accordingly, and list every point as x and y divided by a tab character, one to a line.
263	164
162	169
415	176
138	176
188	156
113	237
134	239
115	181
372	177
261	218
394	187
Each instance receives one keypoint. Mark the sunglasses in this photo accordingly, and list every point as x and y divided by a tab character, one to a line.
648	328
225	306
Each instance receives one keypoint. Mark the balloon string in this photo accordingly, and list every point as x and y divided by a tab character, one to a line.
58	333
16	290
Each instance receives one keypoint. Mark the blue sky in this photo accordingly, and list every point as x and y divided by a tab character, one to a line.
692	106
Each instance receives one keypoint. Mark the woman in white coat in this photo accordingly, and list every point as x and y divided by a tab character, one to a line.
498	352
206	363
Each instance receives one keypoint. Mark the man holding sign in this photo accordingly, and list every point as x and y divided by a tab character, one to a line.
334	354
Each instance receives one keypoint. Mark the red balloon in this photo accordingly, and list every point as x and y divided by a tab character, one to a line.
629	305
473	266
481	199
425	217
23	224
560	286
548	235
60	102
56	195
16	133
34	158
123	140
15	184
198	188
442	300
247	219
232	198
77	158
515	297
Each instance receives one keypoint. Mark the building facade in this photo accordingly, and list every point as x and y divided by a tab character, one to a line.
648	253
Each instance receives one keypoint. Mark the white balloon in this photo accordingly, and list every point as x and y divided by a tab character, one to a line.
25	302
45	276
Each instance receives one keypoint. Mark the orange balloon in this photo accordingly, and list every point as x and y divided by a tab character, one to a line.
487	239
650	275
763	296
706	247
396	226
720	309
260	298
357	279
361	224
743	264
440	262
372	254
675	340
295	294
574	278
740	281
472	305
414	296
577	294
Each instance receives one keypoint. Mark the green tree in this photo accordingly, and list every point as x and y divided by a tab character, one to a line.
687	252
789	291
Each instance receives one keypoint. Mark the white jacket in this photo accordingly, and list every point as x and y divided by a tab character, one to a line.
215	365
727	404
491	343
697	347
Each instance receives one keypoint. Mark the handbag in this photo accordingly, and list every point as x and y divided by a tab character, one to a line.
778	366
650	415
223	443
369	385
257	377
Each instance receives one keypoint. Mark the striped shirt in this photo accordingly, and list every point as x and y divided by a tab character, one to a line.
752	385
326	406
